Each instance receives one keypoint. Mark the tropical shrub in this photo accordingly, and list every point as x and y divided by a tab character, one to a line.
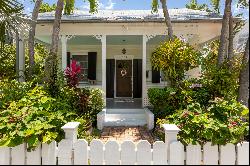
164	101
95	104
28	113
221	123
87	102
8	62
221	81
40	54
167	100
12	91
34	118
174	57
72	74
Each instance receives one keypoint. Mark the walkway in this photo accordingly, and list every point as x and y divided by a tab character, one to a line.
121	134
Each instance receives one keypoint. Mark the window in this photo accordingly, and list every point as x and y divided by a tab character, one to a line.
82	60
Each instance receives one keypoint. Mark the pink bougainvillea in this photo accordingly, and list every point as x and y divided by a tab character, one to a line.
72	74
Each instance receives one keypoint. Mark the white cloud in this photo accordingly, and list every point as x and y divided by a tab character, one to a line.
237	10
109	6
86	6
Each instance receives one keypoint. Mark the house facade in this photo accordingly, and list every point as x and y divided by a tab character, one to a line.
114	47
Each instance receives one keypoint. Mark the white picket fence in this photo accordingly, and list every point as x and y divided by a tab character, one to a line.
73	151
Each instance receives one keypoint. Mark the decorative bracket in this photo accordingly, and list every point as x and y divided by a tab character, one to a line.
148	37
68	37
98	37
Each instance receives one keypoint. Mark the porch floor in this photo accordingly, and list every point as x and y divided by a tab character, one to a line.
124	103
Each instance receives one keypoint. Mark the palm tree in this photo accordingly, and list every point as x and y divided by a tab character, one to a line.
155	5
12	20
243	93
223	47
32	36
51	60
193	4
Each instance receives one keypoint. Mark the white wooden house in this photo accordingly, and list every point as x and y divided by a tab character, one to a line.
106	43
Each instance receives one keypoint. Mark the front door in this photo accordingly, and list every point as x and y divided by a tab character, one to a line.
123	78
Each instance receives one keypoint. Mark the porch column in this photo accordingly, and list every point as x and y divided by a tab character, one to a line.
144	62
104	49
145	39
21	58
103	39
64	52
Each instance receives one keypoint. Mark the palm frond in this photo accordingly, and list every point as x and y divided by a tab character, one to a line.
155	6
12	20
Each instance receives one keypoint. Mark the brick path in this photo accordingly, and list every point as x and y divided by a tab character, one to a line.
126	133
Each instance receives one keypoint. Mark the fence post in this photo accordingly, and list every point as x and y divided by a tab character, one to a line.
70	130
66	146
171	131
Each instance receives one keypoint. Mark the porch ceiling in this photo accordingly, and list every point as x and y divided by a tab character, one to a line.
111	40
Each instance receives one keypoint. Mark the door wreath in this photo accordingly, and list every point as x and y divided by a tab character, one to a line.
123	66
123	72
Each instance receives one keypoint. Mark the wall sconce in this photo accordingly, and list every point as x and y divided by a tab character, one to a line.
124	51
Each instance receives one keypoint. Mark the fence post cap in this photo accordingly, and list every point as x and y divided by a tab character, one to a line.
170	128
70	125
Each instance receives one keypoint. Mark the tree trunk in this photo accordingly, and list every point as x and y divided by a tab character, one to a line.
167	19
51	60
243	94
224	33
32	36
230	42
56	27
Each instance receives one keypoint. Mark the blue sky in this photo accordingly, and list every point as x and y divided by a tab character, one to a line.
129	4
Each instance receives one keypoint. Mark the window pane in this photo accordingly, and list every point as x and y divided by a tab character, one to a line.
82	60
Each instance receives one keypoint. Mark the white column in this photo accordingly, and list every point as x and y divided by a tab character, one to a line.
144	62
64	52
104	49
171	131
21	63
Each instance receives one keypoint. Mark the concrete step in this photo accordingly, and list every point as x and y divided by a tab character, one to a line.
125	116
125	122
125	111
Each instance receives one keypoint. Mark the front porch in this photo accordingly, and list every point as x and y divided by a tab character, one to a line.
101	57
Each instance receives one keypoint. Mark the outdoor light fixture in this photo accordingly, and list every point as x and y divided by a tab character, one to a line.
124	51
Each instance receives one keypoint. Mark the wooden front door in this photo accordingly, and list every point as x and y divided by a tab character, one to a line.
123	78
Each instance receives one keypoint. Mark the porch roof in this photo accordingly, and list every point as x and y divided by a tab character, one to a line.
176	15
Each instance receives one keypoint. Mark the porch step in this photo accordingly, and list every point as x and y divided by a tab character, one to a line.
127	122
125	111
125	117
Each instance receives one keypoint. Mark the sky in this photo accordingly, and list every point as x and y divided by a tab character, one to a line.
131	4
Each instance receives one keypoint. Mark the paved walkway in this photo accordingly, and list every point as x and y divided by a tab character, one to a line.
121	134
